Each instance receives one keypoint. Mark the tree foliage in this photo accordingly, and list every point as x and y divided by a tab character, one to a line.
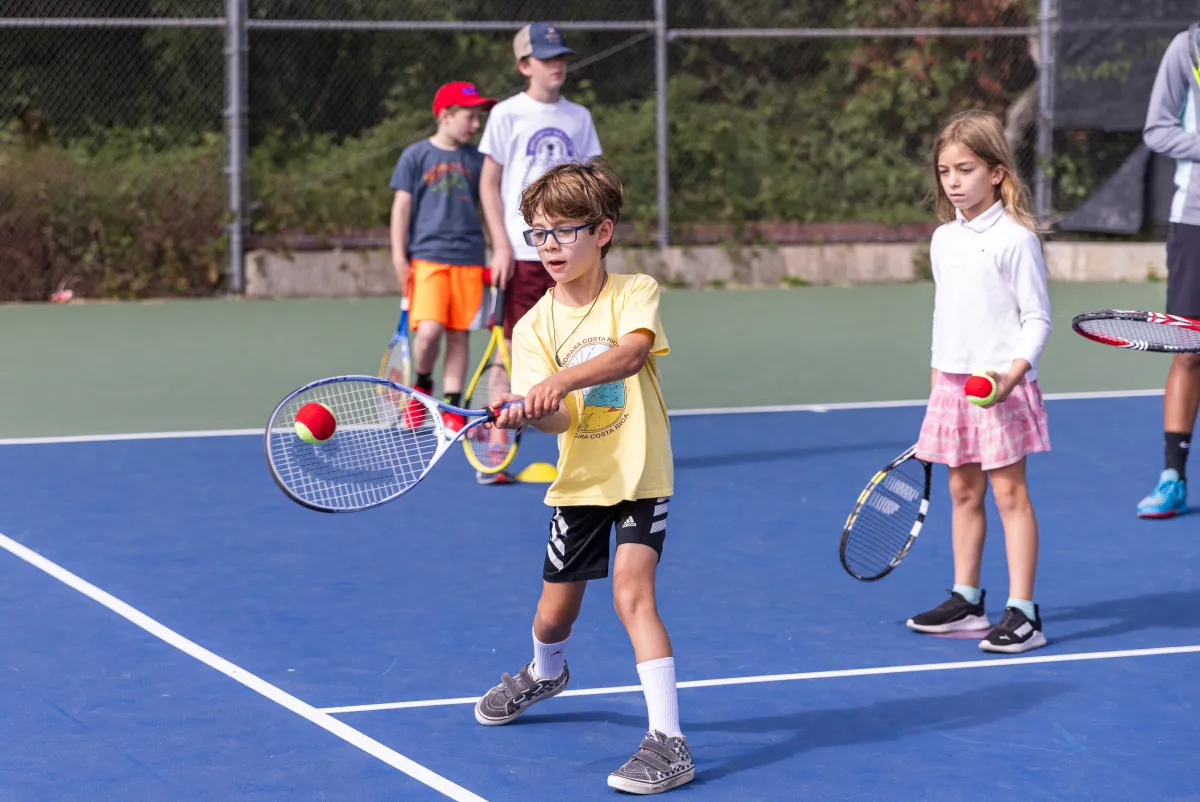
126	124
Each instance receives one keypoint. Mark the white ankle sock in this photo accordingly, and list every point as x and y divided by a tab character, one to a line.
662	701
548	658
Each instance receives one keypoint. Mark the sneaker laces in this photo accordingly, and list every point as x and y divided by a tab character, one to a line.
1163	488
952	599
1012	618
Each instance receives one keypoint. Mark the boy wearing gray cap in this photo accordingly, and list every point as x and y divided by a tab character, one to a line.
525	136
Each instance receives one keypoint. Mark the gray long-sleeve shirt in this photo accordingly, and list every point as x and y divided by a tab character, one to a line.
1171	122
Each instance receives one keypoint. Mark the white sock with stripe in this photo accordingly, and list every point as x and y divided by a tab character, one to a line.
662	700
548	658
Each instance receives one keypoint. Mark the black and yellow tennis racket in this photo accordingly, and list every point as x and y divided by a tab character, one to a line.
491	450
887	517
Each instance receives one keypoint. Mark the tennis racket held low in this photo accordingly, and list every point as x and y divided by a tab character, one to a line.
387	438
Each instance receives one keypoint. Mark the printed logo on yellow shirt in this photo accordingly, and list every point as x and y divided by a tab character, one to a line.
603	409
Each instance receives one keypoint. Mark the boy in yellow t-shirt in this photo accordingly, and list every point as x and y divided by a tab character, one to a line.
585	366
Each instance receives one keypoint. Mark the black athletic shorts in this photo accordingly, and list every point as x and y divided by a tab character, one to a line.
1183	270
578	547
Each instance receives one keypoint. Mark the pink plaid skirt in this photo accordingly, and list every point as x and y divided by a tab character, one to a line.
956	432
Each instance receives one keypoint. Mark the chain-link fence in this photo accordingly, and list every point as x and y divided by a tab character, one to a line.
832	118
111	147
147	138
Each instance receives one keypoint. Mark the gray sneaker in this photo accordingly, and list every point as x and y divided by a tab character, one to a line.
513	696
661	763
502	478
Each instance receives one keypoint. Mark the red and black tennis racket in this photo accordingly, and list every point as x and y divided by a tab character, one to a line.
1140	331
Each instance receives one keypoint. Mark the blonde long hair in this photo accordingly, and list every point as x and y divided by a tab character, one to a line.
982	133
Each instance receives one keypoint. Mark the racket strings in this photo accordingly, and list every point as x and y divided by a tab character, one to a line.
398	367
384	443
885	520
1142	334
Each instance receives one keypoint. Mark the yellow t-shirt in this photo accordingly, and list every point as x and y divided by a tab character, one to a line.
618	445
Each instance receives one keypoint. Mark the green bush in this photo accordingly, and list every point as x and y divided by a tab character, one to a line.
120	221
760	131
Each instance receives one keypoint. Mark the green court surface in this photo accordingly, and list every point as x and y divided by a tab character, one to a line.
100	368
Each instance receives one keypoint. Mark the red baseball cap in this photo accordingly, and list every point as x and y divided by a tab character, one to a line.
459	93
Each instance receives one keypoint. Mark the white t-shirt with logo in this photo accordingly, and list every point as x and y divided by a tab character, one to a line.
526	138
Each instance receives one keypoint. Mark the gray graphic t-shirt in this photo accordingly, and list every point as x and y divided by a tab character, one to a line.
445	226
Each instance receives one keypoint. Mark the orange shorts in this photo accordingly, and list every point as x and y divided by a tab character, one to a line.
448	294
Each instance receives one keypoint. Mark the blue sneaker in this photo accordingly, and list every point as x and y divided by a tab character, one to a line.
1168	499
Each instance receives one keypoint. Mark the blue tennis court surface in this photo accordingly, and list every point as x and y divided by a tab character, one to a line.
428	600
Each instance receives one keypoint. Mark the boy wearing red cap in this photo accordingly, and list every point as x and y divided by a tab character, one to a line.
438	244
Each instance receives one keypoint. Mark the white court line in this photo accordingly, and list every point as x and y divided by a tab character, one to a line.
280	697
107	438
848	672
675	413
915	402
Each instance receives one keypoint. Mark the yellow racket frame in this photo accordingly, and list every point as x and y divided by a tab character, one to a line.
495	346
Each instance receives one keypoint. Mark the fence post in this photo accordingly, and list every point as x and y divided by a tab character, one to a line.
1047	23
660	87
236	48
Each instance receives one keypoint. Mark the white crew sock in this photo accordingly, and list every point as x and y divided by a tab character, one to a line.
662	701
548	658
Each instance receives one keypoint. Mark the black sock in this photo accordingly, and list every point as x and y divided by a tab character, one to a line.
1177	446
453	399
425	382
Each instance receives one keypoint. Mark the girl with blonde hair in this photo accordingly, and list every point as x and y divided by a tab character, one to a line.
991	316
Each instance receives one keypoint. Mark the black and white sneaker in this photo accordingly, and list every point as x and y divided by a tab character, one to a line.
514	695
660	764
956	614
1015	633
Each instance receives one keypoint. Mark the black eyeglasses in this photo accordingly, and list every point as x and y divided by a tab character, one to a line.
563	235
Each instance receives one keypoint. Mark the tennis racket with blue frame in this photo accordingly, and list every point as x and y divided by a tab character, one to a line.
372	457
396	365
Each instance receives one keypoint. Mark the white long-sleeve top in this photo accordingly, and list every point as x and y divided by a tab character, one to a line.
991	305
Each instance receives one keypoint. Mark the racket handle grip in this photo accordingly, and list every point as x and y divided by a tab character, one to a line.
493	411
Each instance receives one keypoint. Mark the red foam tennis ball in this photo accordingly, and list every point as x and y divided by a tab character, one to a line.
315	423
981	389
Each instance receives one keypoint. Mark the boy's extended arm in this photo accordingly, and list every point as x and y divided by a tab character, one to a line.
545	403
613	365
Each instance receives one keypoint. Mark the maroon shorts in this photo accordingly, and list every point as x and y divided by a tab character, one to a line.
526	286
